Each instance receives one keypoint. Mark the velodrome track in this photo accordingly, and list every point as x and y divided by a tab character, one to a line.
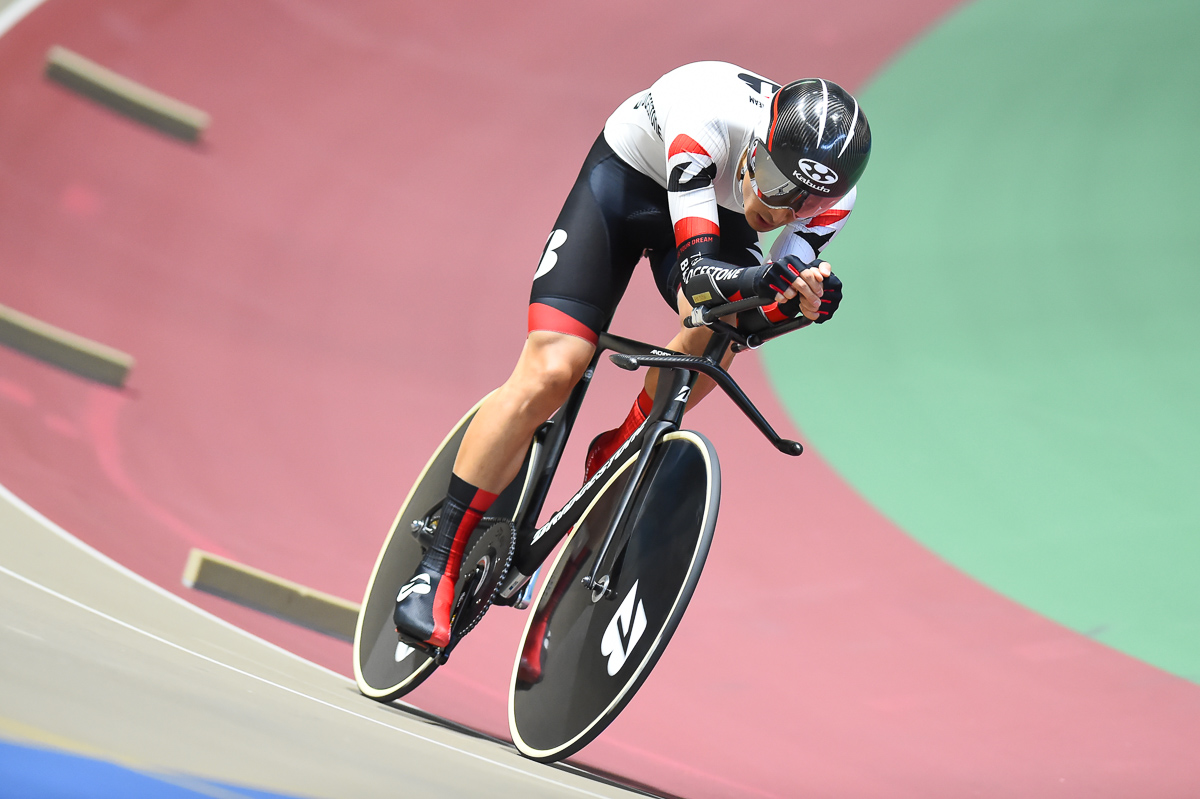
155	698
299	352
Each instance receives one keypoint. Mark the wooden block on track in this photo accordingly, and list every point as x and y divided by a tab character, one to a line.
124	95
273	595
64	349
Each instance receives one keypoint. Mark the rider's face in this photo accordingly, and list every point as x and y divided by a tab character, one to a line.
761	216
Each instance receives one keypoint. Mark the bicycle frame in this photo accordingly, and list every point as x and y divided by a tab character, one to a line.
680	371
535	544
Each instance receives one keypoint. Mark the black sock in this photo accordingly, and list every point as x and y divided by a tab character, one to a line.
464	506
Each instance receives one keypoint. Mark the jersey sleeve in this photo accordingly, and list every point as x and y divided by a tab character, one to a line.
806	238
693	152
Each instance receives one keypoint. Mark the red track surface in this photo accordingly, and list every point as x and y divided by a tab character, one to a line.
310	312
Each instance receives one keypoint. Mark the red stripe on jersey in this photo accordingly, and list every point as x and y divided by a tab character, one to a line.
692	226
736	296
543	317
773	313
828	218
686	144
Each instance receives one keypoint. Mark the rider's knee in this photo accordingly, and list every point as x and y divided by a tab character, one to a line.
552	366
561	367
692	340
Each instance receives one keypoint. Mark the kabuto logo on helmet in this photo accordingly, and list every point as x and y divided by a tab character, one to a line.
815	174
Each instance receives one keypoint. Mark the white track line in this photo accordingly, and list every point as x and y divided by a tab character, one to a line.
293	691
8	496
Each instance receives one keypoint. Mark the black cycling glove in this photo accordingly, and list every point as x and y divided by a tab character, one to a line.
773	277
831	290
831	298
757	320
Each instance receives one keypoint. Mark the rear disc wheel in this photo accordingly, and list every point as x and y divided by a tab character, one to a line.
384	666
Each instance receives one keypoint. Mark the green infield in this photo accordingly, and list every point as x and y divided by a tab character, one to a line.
1014	377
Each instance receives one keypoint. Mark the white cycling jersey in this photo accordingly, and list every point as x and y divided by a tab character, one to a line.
688	133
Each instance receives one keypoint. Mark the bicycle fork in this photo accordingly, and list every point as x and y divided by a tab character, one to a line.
669	406
685	370
602	576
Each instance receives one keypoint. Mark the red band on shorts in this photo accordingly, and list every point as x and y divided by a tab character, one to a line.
543	317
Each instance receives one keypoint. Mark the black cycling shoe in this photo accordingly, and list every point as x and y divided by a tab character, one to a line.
423	608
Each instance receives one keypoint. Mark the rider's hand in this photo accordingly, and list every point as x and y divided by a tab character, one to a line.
775	279
831	297
807	283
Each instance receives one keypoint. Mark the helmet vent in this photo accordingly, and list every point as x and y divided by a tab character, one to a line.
850	135
824	112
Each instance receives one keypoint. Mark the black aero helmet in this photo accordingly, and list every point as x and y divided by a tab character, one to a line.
813	149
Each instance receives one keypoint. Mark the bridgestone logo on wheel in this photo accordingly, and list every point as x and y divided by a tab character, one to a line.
625	624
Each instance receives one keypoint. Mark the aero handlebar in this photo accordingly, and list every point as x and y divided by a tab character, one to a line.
702	316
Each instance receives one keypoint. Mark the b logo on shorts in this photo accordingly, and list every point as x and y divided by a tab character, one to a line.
550	257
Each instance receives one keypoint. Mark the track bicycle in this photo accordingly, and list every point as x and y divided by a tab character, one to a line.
637	535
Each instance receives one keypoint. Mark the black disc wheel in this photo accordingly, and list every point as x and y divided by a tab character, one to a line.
584	654
384	666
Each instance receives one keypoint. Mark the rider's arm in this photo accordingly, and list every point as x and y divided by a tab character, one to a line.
707	281
693	153
804	240
693	203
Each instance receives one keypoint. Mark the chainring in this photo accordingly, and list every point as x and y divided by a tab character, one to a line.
484	568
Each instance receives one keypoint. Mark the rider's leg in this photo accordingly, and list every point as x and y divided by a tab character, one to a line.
688	340
490	456
424	603
494	446
739	246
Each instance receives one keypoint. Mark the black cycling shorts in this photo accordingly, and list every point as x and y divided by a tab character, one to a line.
613	215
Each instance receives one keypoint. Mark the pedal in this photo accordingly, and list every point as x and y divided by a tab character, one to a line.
423	530
420	646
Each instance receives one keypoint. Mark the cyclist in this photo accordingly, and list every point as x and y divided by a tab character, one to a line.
688	173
